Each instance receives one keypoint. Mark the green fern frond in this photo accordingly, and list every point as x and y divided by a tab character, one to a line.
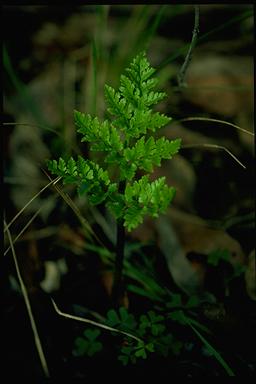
104	136
132	118
145	198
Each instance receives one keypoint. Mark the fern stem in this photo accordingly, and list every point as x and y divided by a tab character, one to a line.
117	289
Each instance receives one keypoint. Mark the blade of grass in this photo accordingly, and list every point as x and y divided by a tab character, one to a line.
103	252
148	32
105	226
74	148
127	47
198	325
146	281
145	37
25	97
28	306
142	292
214	121
43	233
52	182
101	29
24	229
154	25
94	55
215	146
98	55
224	88
76	210
212	350
37	126
68	73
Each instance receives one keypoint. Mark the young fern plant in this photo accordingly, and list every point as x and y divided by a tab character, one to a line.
130	149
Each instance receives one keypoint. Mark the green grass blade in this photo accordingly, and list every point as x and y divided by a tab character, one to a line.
94	55
142	292
25	97
146	281
197	324
28	307
213	351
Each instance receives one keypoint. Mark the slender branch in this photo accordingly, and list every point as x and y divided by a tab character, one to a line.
30	201
76	211
23	229
95	323
28	306
181	75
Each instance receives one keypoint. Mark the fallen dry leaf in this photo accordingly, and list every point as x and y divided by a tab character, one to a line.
197	236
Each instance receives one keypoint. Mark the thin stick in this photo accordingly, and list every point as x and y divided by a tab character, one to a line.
181	75
23	230
95	323
30	201
77	212
216	147
214	121
180	51
28	306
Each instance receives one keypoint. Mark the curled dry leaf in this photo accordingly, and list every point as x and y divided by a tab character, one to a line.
196	235
179	234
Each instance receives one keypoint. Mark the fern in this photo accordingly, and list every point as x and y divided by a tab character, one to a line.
143	197
104	136
87	175
125	139
132	119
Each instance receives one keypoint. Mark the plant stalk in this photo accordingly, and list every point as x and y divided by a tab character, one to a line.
118	288
182	73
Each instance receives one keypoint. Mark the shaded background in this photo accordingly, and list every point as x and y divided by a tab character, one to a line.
57	59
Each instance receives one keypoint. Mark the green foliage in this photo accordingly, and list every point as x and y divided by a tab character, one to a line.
103	136
153	322
178	316
87	175
122	320
151	330
146	155
143	197
88	345
123	139
131	353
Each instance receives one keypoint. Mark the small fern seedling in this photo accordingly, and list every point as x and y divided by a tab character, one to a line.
125	140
